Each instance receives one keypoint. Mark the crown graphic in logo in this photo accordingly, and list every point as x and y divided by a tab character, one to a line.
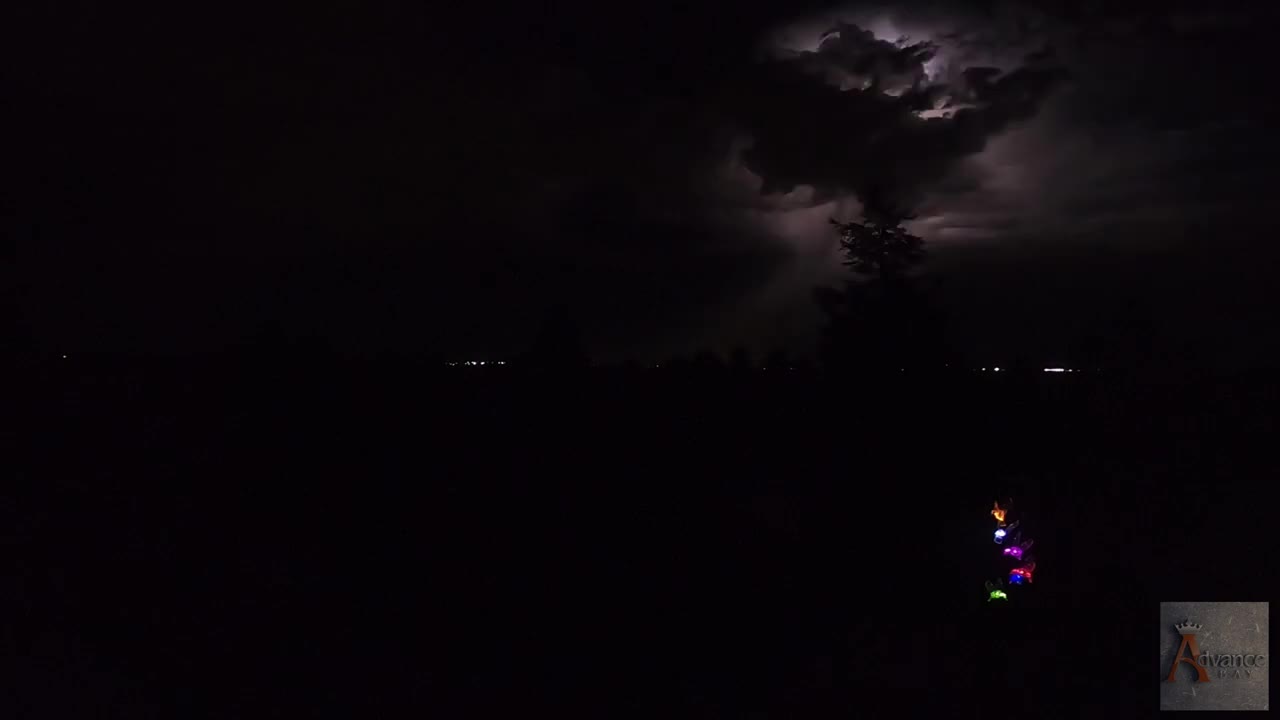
1186	627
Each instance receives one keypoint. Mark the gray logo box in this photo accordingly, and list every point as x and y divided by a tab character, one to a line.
1233	647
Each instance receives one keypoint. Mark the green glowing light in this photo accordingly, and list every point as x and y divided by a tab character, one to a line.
997	594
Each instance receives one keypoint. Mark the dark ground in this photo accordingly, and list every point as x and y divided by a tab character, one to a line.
210	541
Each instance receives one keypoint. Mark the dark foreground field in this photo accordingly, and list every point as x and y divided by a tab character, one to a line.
387	540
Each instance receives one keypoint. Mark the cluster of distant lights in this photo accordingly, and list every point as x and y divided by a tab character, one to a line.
1052	370
476	363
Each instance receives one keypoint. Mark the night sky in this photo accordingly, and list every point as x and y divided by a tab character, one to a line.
402	176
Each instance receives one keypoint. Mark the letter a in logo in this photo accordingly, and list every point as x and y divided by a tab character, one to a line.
1188	631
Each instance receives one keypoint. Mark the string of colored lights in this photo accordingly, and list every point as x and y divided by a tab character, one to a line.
1017	549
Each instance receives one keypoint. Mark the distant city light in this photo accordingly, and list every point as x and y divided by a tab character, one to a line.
996	369
1055	370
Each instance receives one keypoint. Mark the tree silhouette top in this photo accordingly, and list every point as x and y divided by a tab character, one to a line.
879	246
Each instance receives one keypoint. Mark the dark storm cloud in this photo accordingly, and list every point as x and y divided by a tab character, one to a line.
859	54
1153	122
871	140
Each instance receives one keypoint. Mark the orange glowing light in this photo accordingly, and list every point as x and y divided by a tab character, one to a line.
998	513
